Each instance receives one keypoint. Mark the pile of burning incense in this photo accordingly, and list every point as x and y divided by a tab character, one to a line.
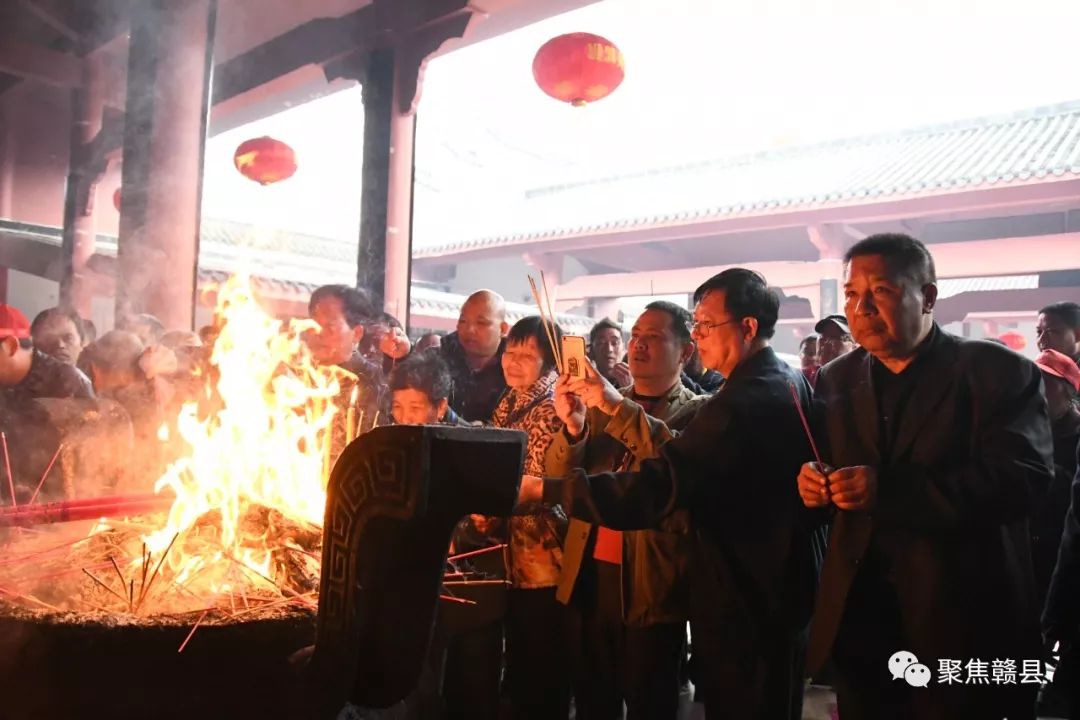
112	570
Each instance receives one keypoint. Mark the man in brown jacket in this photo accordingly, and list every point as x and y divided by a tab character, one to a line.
627	591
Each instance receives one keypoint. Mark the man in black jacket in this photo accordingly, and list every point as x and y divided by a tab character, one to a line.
474	355
1061	617
936	448
752	573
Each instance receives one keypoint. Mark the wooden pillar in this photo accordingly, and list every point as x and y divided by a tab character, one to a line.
168	90
87	108
831	242
385	252
7	161
390	76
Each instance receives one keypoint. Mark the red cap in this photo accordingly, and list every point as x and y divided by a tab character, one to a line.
13	323
1059	365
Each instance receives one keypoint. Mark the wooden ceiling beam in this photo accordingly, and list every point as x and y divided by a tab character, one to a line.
34	62
50	15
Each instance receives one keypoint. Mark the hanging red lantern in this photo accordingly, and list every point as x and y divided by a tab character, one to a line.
116	199
578	68
265	160
1013	340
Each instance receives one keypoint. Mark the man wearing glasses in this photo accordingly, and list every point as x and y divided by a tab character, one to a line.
753	566
835	339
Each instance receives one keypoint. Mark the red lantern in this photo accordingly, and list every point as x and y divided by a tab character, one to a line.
578	68
116	199
265	160
1014	340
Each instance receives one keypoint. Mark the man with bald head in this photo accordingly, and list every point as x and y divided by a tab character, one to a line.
474	354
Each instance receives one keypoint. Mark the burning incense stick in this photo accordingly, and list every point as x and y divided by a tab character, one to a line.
20	596
350	416
455	558
193	629
477	582
98	580
123	582
547	325
46	473
83	509
552	320
145	565
805	424
146	588
463	601
7	466
40	553
272	603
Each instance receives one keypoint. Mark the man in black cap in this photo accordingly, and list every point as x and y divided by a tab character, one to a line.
835	338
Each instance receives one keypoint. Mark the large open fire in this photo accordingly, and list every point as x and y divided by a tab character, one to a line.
262	456
249	491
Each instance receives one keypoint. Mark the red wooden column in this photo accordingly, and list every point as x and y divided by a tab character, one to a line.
398	264
390	75
7	160
168	91
831	242
87	115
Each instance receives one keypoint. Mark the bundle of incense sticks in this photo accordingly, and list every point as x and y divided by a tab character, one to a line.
548	319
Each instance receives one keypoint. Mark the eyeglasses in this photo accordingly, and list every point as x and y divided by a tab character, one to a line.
703	328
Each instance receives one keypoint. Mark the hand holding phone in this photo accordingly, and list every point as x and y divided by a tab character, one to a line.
573	353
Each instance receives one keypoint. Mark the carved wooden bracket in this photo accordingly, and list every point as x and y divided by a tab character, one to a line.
415	51
93	160
415	30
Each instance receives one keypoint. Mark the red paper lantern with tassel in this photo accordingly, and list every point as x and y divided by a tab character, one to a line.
578	68
265	160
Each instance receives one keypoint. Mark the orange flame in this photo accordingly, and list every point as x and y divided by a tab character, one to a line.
267	446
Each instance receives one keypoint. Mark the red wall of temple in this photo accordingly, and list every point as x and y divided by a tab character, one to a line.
41	116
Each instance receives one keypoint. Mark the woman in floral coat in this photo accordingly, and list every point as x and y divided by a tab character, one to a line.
537	675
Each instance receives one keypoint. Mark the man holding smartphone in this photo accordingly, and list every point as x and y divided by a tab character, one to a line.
627	592
752	562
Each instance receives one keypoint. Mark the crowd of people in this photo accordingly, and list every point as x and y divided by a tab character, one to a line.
908	491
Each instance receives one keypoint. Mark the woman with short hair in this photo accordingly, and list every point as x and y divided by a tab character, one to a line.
537	673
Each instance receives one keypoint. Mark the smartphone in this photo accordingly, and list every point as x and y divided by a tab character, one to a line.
573	353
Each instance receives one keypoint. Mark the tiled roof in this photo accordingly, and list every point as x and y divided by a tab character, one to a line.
448	305
285	282
954	286
227	233
422	301
1033	145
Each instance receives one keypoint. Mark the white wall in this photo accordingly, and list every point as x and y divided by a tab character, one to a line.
32	294
507	276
